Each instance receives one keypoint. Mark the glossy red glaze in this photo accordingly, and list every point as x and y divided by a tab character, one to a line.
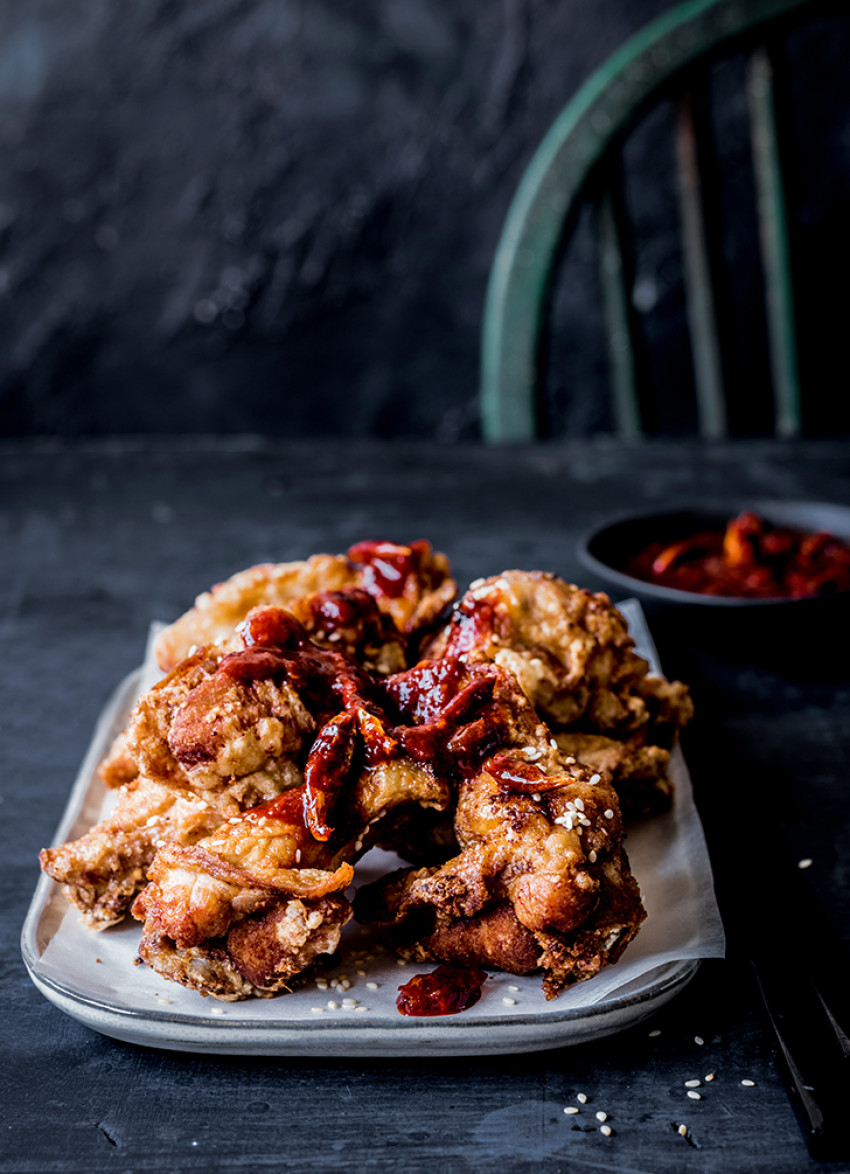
422	693
446	991
388	567
473	624
328	765
288	808
514	774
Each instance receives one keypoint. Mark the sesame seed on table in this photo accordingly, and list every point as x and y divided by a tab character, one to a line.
90	557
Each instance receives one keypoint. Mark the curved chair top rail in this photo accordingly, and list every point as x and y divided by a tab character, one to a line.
602	109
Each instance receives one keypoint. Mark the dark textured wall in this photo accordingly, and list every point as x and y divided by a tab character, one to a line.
277	215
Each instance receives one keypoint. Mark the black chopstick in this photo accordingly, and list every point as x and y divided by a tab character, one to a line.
801	974
811	1052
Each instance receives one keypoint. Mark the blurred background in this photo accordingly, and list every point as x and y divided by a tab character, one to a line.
278	216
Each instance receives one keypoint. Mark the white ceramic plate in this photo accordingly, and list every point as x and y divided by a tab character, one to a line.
94	978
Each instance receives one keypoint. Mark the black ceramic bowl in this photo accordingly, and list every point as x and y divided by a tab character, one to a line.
811	626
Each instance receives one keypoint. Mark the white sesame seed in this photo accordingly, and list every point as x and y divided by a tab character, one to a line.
513	988
553	743
594	779
584	821
358	844
581	1098
322	984
692	1084
699	1040
509	1002
371	986
570	1109
608	813
748	1083
654	1033
297	855
536	797
591	856
695	1096
683	1131
601	1116
570	760
606	1129
400	962
806	863
159	843
579	804
333	1005
709	1077
349	1004
360	1007
318	1010
361	973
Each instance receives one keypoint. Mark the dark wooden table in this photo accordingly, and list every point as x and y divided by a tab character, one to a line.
97	538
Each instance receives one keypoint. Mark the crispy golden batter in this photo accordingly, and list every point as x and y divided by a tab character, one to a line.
102	871
410	584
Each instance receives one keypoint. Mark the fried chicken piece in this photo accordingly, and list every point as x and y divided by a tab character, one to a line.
570	650
410	584
102	872
245	912
539	834
637	772
573	656
232	742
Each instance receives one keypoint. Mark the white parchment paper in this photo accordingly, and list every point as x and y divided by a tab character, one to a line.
667	853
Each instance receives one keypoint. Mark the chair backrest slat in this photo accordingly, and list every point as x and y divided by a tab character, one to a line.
616	308
699	287
774	242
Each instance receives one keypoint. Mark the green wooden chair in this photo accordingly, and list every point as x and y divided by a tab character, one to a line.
585	143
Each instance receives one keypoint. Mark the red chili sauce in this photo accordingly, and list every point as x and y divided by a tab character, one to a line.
446	991
749	559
